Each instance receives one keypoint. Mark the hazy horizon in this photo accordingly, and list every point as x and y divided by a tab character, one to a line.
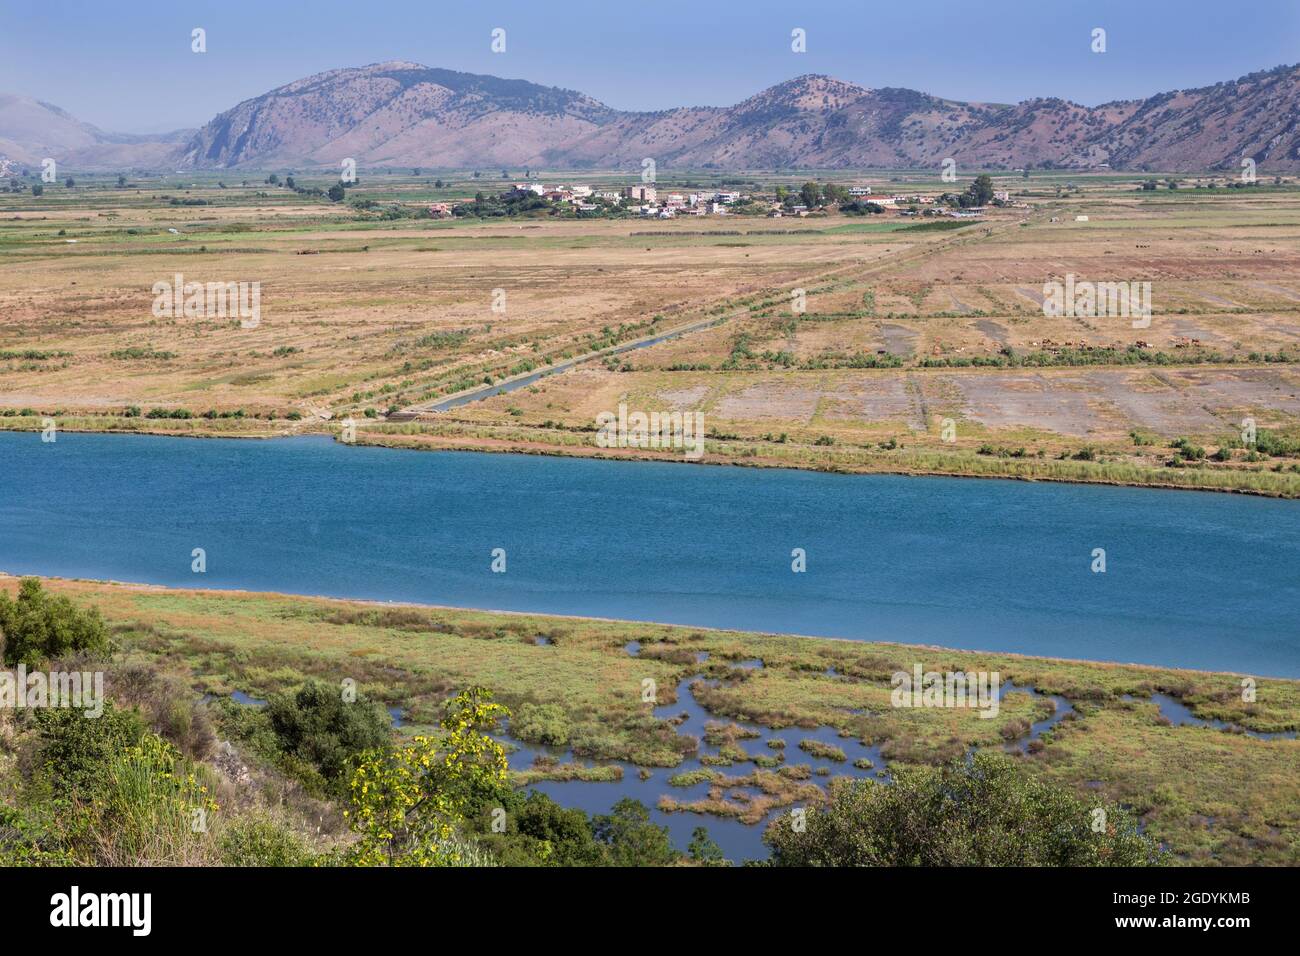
133	71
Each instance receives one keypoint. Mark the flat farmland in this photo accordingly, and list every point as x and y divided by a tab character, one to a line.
350	315
875	343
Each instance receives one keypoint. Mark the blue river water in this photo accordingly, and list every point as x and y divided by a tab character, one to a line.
1192	579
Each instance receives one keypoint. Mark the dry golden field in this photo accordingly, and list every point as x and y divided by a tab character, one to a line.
918	348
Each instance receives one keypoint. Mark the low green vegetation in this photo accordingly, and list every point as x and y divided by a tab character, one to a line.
1259	474
319	776
983	812
816	748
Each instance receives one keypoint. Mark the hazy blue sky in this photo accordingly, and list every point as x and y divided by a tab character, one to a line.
127	66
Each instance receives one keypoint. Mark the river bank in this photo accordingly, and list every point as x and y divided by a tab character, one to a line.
1262	480
577	689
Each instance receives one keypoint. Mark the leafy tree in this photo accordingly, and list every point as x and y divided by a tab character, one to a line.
290	183
703	850
318	726
69	182
538	832
861	208
980	191
832	193
406	804
631	839
273	179
39	626
986	812
37	189
337	192
121	181
566	832
810	194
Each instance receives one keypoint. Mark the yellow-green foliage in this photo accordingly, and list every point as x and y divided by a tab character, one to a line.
406	804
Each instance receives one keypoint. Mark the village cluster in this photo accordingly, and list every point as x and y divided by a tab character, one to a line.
648	201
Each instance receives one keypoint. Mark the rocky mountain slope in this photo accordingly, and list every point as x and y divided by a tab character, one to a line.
406	114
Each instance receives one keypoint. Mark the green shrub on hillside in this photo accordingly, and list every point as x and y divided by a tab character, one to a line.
986	812
260	841
26	841
39	626
317	726
1271	443
538	832
118	795
154	810
76	751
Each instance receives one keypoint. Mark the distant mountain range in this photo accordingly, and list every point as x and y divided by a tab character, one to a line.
31	130
406	114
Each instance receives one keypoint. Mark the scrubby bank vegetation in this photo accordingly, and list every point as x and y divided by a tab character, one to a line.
148	782
177	772
981	812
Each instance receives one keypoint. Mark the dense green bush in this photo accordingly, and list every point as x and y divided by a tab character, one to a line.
985	812
317	726
258	841
39	626
537	832
27	841
1271	443
631	839
107	792
703	850
76	750
541	724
